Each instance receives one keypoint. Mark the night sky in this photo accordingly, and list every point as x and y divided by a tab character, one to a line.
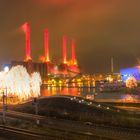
101	28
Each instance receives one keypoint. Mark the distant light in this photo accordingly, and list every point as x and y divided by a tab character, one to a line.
6	68
65	62
118	110
71	98
80	101
90	103
56	67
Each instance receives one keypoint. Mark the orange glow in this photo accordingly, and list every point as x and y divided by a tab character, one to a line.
46	92
60	91
42	58
129	98
65	62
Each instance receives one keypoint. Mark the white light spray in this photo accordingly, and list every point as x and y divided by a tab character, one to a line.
20	84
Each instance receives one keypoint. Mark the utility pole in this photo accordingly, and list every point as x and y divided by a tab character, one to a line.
3	109
36	110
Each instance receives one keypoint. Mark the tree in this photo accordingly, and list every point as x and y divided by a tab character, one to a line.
131	82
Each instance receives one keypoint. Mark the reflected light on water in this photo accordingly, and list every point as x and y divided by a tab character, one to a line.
89	93
51	91
129	98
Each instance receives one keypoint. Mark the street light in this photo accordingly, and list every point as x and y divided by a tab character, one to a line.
6	69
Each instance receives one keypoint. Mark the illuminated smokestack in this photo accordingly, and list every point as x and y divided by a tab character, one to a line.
26	29
47	59
74	62
64	57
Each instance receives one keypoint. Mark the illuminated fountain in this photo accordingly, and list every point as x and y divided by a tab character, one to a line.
18	83
35	84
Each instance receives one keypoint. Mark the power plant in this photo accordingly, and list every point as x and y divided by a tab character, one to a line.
46	67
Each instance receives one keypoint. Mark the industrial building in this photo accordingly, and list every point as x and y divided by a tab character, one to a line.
67	68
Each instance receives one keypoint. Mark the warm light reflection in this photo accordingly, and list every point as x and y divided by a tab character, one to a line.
129	98
50	91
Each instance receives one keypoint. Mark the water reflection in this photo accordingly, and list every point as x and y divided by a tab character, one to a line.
90	93
72	91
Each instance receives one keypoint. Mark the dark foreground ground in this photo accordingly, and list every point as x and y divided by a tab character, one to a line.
79	109
74	118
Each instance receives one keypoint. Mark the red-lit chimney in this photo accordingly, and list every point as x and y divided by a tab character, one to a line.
26	29
64	57
47	59
74	61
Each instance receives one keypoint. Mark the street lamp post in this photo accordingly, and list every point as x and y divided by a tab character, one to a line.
3	109
6	96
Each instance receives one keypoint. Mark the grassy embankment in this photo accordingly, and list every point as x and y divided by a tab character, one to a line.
79	109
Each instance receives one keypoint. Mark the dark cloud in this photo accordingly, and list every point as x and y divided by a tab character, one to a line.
101	28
